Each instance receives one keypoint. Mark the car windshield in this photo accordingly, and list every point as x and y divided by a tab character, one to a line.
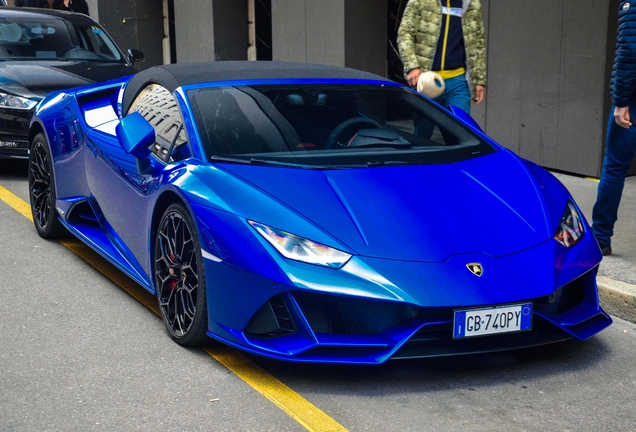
329	126
55	39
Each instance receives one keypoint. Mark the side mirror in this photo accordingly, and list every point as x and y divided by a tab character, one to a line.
135	56
135	135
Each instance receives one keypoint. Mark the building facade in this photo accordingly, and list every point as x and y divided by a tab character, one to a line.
549	61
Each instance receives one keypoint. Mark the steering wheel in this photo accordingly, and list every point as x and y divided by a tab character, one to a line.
72	52
335	134
81	53
71	49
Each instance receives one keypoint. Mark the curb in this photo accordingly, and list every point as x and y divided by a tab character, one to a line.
617	298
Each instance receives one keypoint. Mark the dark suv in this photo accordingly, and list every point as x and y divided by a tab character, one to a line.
42	50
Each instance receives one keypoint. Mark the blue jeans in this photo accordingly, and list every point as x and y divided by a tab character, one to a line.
619	153
456	93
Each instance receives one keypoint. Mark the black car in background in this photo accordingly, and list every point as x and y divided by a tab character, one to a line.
42	50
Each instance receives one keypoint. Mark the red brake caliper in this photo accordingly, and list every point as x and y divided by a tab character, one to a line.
173	283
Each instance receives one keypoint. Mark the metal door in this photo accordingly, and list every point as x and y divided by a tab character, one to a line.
135	24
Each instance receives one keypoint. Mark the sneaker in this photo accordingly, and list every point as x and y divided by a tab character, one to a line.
606	249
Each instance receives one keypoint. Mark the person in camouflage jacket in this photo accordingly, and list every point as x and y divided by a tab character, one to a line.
435	32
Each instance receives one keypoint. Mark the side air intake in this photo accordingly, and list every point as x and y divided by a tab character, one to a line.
271	320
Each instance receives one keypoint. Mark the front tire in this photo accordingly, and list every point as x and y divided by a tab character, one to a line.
42	190
179	277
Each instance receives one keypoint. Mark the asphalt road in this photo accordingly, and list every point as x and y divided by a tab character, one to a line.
78	353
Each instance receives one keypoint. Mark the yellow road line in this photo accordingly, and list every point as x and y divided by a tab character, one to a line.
16	203
294	405
279	394
112	273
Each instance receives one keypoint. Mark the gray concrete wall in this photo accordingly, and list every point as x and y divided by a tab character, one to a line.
93	10
289	34
348	33
194	28
210	30
548	80
325	24
308	31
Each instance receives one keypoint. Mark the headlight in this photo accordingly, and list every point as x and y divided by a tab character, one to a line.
16	102
570	229
300	249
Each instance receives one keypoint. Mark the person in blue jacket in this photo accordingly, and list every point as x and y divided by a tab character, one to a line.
620	141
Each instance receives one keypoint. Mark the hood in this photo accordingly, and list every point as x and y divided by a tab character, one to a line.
486	205
36	79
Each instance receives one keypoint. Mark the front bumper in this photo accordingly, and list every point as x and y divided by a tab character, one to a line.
307	327
14	129
395	310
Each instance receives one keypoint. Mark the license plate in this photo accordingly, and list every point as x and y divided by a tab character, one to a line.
493	320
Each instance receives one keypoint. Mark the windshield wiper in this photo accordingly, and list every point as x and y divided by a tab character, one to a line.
384	163
215	158
277	163
255	161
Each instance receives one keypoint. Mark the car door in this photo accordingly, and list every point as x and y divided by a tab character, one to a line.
122	188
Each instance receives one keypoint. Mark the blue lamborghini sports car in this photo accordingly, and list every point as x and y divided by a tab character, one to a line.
314	213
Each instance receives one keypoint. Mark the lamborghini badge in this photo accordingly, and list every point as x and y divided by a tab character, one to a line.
475	268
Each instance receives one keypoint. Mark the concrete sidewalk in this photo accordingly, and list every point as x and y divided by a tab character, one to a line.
617	273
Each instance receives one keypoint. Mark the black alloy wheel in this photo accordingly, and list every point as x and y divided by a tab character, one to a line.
179	277
42	190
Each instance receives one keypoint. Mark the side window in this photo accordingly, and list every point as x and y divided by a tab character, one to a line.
159	107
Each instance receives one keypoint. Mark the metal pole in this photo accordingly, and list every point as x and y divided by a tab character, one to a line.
251	28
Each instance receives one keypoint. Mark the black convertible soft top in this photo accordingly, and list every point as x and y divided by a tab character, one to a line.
176	75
